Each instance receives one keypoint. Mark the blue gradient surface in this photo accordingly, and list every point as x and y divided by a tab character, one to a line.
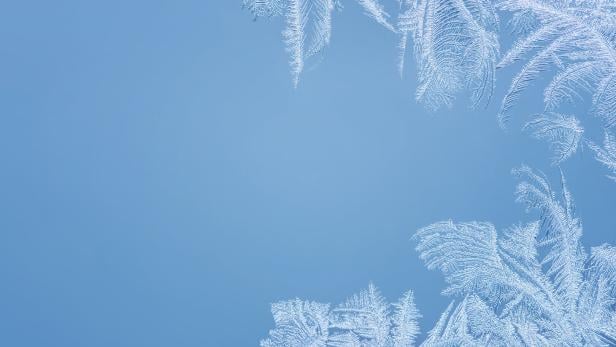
162	182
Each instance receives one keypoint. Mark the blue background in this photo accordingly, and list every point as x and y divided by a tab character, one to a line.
162	182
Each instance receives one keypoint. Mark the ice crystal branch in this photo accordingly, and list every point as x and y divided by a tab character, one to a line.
533	285
264	8
576	39
365	319
576	42
607	154
377	12
563	133
457	50
456	47
309	25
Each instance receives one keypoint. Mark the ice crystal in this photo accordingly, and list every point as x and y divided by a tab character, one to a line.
365	319
533	285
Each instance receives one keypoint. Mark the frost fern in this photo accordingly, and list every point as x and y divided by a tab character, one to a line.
576	41
456	49
533	285
365	319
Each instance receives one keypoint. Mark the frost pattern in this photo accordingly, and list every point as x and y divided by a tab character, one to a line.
298	323
308	31
456	48
309	25
607	154
563	133
264	8
377	12
577	41
365	319
533	285
571	43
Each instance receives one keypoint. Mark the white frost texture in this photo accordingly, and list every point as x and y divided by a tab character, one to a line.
533	285
567	47
365	319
